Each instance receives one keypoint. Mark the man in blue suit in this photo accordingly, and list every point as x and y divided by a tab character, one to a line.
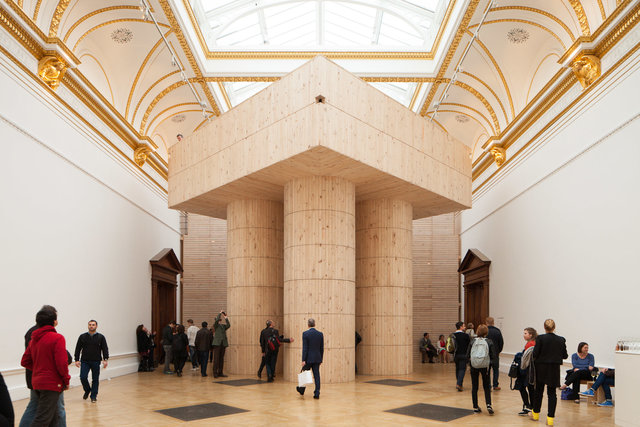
312	352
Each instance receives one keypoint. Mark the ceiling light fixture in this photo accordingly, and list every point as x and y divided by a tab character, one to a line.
459	68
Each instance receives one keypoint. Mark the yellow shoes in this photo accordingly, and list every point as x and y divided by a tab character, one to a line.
535	416
549	421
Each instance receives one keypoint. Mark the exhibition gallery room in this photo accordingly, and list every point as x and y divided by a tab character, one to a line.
319	212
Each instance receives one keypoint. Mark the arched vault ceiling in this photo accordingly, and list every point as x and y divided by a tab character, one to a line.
123	54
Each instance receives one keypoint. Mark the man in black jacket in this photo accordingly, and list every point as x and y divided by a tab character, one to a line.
460	355
204	338
167	341
270	340
93	347
496	337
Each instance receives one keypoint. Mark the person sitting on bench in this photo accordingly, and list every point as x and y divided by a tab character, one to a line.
606	379
583	365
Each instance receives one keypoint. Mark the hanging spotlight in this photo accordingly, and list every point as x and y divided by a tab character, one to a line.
174	62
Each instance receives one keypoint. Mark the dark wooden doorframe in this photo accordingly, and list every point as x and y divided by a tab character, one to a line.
475	269
164	269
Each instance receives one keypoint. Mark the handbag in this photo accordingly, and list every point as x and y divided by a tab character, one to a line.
566	394
304	378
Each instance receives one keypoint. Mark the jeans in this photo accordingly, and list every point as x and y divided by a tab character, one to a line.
30	411
485	385
192	356
461	368
167	357
495	367
551	394
94	366
204	360
606	383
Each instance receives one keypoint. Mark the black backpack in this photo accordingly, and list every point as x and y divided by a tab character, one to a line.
273	343
514	369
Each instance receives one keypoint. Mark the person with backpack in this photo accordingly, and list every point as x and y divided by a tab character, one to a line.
270	340
480	353
548	355
458	344
495	335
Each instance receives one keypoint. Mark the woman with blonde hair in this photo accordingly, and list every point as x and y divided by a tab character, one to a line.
548	355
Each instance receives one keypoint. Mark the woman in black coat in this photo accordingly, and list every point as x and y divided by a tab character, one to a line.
179	349
145	348
548	355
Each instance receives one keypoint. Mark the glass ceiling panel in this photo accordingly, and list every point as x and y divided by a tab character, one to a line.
319	25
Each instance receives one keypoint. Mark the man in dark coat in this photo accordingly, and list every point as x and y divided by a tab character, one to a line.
270	340
167	340
94	349
312	353
460	355
496	337
220	343
204	338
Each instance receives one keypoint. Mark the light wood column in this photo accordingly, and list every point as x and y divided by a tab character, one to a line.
384	287
254	284
319	278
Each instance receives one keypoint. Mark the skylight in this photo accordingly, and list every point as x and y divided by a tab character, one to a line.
319	25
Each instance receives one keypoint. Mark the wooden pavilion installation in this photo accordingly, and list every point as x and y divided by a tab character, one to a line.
319	177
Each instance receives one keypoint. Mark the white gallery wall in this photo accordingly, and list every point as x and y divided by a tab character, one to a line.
79	226
561	223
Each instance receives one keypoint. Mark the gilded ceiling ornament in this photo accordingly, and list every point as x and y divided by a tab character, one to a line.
518	35
178	118
122	35
51	70
460	118
587	69
499	155
141	154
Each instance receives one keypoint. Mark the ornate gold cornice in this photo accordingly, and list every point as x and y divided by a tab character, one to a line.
141	154
311	54
582	17
539	11
137	77
471	8
94	13
173	22
497	67
57	16
619	31
16	30
36	10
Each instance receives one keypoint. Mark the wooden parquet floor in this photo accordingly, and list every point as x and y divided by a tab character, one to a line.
132	400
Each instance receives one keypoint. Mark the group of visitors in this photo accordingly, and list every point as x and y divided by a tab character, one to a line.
46	361
537	367
429	351
180	343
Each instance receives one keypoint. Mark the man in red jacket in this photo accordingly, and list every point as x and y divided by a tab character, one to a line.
46	357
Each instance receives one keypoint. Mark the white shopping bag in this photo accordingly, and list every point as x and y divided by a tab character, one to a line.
304	378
